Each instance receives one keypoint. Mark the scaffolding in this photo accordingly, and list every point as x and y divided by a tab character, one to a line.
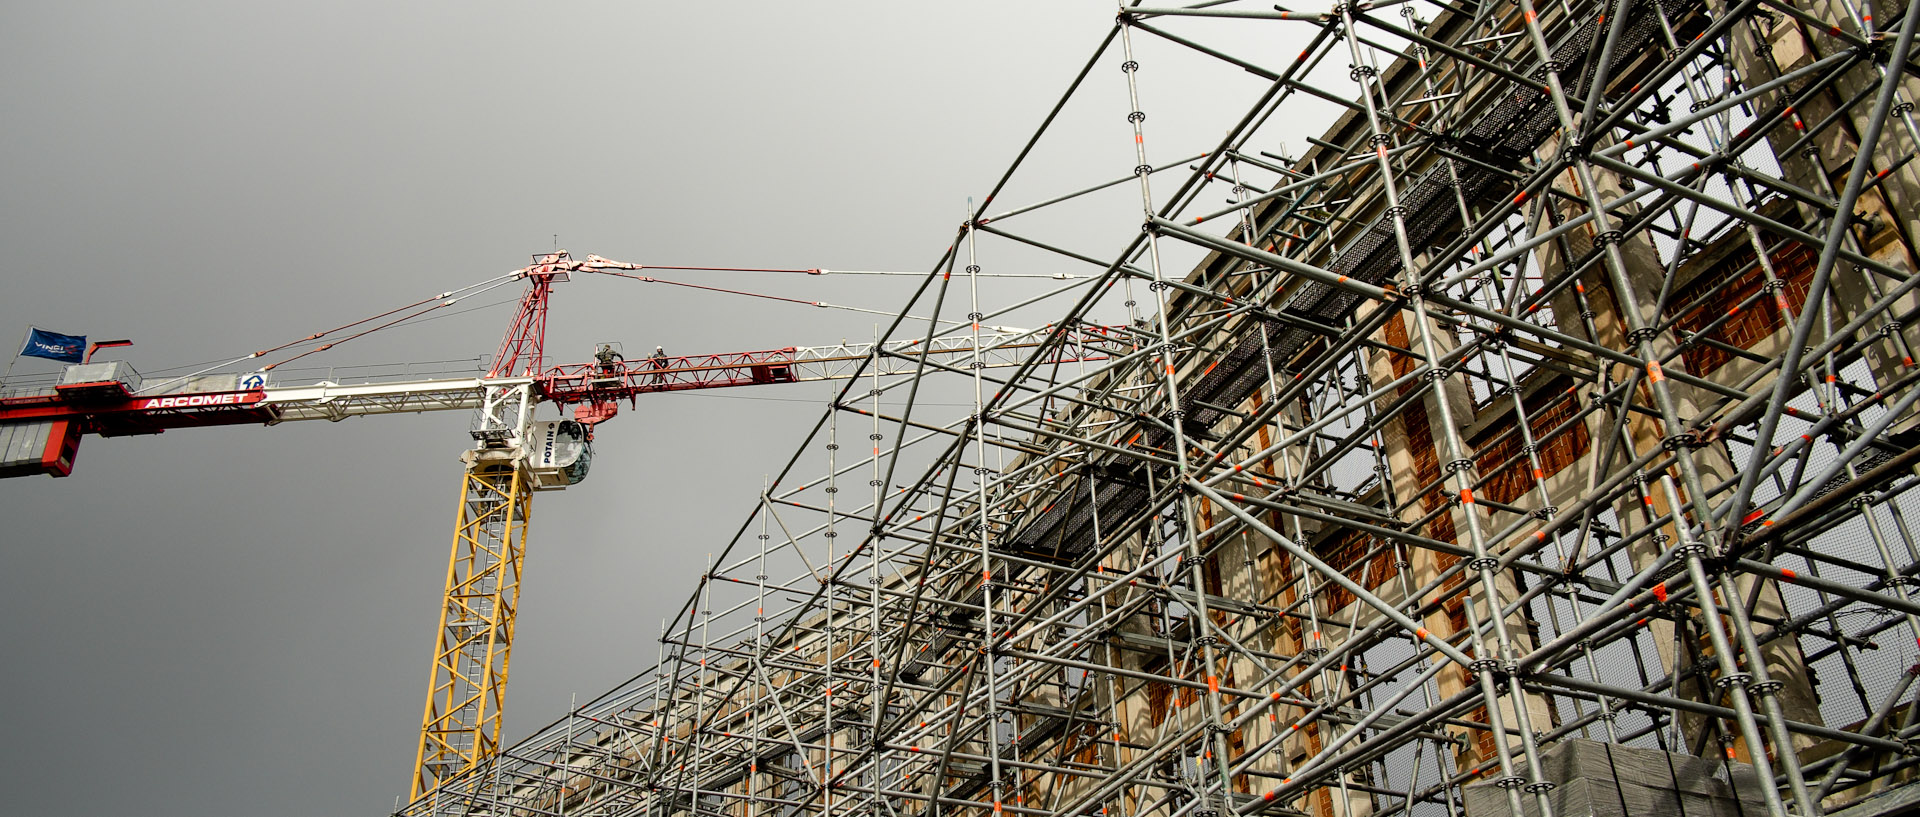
1555	404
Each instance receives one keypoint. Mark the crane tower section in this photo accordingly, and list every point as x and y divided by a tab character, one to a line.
467	684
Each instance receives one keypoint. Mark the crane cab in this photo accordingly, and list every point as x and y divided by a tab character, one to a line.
558	452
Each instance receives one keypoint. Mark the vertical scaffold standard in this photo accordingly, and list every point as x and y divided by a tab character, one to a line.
1540	440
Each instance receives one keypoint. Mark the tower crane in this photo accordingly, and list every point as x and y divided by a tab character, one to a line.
513	455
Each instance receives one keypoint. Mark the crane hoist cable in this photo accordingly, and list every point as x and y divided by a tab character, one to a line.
461	293
723	290
218	363
444	299
1057	276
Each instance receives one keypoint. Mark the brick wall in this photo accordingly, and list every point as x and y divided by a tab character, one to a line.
1500	460
1793	263
1345	553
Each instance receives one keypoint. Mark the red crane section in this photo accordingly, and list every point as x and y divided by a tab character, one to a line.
109	409
586	382
525	344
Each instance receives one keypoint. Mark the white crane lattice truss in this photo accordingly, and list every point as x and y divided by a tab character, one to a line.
1557	404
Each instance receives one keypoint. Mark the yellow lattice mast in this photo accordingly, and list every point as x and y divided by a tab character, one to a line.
467	690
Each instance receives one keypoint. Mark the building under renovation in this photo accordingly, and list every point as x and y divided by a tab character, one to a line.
1539	440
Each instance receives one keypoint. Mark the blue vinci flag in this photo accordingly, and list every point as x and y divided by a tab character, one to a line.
55	346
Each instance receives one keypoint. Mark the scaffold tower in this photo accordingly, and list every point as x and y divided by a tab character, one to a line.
1537	440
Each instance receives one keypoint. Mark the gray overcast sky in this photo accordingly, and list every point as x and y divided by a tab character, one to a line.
238	620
